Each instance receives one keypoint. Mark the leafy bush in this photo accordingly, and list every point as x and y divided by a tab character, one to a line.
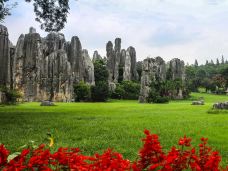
100	92
11	95
82	92
127	90
100	71
151	157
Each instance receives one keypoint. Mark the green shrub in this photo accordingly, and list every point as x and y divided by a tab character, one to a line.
11	95
127	90
100	92
82	92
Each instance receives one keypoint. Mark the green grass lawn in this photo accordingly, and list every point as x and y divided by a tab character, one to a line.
94	127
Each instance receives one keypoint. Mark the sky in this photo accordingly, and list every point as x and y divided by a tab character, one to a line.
185	29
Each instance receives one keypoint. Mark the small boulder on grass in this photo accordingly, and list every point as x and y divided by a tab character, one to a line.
47	103
199	102
221	105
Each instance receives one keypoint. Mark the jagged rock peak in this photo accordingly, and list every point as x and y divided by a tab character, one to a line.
32	30
3	30
117	44
96	56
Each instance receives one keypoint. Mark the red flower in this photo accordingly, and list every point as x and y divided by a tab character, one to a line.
3	155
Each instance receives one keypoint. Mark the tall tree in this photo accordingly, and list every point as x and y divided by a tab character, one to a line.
51	14
222	60
196	63
217	61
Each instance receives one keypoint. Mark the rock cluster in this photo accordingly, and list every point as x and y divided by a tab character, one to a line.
221	105
156	69
44	68
121	63
199	102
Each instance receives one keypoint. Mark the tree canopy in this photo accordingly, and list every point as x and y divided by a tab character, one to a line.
51	14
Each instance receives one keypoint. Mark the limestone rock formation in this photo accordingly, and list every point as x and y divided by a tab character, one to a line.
75	58
88	68
130	70
121	63
32	58
96	56
4	57
221	105
151	69
56	79
177	69
18	63
41	68
111	59
177	73
122	58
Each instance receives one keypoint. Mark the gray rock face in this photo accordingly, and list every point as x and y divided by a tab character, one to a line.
221	105
56	80
19	61
96	56
123	58
87	73
151	69
177	69
42	70
47	103
111	66
46	68
130	70
32	58
53	42
121	64
32	30
4	57
200	102
76	59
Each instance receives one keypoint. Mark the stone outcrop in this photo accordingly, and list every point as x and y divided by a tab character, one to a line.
75	58
157	70
130	70
221	105
177	73
4	57
46	68
32	61
96	56
88	68
121	63
151	69
56	79
177	69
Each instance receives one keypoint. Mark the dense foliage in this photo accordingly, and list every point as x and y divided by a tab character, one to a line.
212	77
127	90
100	91
151	157
52	14
161	91
82	92
11	96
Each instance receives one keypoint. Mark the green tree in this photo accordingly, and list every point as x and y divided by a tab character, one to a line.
100	91
82	92
51	14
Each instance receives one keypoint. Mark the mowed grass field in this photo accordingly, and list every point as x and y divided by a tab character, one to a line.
94	127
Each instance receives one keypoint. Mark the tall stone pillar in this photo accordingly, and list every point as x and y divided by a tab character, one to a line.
4	57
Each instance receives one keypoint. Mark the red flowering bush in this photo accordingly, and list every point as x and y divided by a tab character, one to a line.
151	157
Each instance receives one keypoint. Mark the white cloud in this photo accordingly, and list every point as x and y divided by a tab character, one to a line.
168	28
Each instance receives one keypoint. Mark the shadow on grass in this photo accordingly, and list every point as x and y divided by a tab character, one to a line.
217	111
